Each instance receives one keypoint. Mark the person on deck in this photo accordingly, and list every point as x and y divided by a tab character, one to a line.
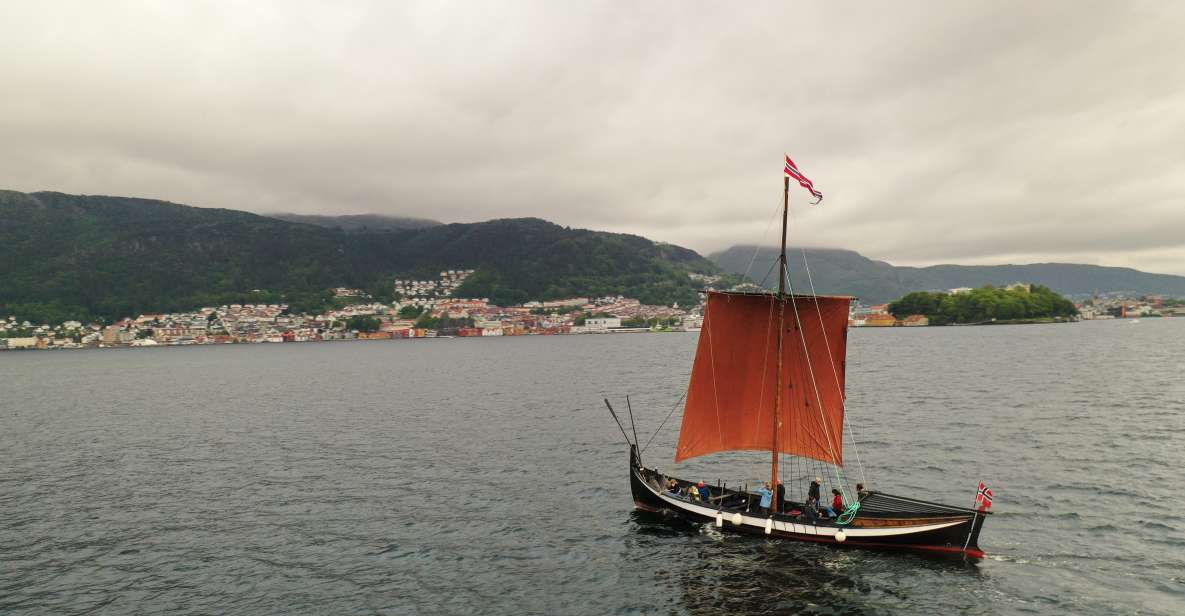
836	507
860	491
767	497
812	494
781	497
704	493
672	486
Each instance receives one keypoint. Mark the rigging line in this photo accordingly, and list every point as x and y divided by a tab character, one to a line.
633	426
767	273
764	362
664	421
843	396
810	368
715	396
814	381
797	477
757	248
834	372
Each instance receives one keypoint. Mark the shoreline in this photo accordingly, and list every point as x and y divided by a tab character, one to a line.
390	339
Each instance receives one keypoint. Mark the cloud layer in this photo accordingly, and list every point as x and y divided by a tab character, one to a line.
961	133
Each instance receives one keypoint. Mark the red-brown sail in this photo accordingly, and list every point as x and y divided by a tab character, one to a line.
730	401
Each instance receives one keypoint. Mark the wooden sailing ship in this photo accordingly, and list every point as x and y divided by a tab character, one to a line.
769	376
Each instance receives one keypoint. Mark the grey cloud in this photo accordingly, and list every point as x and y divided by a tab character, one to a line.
940	133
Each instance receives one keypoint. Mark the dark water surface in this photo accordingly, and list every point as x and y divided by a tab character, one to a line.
485	477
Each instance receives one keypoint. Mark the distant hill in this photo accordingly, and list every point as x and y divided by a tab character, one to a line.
848	272
359	222
75	256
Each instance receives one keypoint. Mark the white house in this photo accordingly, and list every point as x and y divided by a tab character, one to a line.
602	323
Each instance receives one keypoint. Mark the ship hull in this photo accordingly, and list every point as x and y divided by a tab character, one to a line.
884	521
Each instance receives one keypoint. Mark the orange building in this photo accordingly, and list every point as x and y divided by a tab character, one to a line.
880	320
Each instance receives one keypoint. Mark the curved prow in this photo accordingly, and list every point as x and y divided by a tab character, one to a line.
644	497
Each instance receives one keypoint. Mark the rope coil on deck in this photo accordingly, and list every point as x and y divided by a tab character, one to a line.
848	515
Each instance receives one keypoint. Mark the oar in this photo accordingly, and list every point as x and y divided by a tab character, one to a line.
633	427
619	426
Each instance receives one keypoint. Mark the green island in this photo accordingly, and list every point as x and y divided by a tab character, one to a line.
1017	303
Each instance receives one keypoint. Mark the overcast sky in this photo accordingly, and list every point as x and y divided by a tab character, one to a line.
939	132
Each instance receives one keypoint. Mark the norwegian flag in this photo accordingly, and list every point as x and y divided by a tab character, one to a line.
793	172
983	498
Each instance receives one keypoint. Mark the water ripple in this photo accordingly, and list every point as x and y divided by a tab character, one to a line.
450	477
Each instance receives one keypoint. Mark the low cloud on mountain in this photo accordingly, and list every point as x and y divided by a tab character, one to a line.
973	133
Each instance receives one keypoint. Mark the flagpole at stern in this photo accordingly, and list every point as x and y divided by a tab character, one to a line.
781	327
974	519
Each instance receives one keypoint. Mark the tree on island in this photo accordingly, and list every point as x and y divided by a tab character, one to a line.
984	305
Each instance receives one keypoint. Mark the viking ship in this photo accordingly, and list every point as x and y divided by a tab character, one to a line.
768	376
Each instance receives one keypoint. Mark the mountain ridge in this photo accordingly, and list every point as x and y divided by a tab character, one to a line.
83	256
87	256
837	270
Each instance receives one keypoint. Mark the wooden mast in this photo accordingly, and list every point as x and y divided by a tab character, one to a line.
781	302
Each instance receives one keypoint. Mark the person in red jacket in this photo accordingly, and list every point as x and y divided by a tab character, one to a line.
836	507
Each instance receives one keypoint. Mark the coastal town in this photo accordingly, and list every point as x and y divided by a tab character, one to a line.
426	309
429	309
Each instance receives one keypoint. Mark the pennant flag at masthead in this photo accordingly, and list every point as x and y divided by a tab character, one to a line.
803	181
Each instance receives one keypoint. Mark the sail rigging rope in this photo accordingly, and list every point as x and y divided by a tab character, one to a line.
814	383
765	362
757	248
767	273
848	515
664	421
715	395
843	396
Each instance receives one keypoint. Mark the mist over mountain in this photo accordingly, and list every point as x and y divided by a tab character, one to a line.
359	222
78	256
848	272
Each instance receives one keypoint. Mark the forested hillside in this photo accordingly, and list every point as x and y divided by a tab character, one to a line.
72	256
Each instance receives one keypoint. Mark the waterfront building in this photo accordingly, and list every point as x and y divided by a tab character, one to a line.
879	320
601	324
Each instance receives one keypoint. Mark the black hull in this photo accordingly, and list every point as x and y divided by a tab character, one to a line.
883	522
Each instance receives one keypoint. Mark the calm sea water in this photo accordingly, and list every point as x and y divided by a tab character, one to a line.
485	476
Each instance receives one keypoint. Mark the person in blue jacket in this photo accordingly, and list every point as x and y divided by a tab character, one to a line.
704	493
767	497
